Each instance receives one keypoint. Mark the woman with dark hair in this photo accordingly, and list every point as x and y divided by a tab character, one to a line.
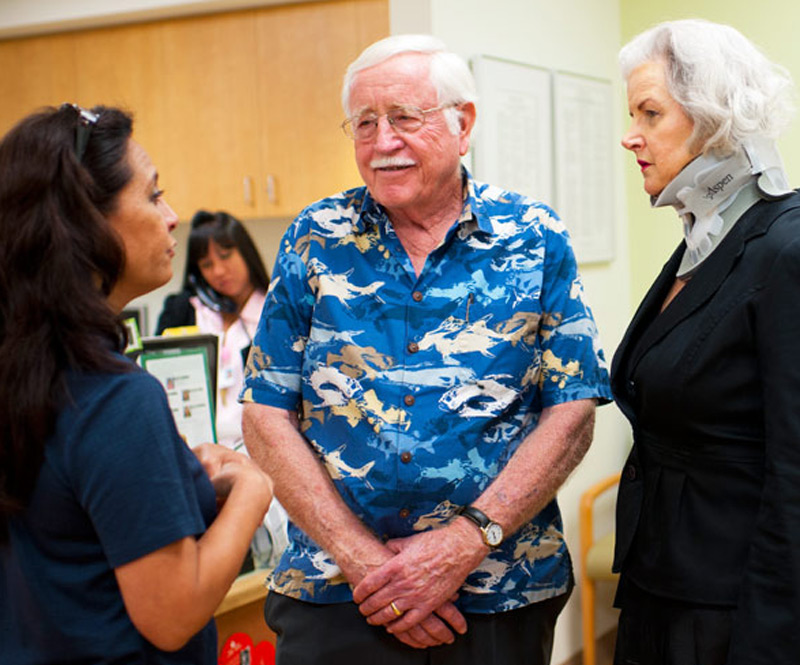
224	288
111	548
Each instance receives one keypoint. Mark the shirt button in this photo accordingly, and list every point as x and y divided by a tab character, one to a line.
417	296
404	513
412	347
405	457
409	400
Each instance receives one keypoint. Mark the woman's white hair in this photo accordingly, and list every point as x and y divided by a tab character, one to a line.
726	85
448	72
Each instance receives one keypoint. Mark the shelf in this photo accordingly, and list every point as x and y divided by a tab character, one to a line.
247	589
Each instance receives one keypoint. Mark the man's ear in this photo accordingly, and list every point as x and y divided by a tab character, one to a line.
466	121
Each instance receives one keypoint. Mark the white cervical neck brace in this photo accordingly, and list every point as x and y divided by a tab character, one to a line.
709	185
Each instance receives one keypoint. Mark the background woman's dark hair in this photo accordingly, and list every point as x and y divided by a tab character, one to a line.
228	232
59	260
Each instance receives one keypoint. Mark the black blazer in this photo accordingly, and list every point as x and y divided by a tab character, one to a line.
709	502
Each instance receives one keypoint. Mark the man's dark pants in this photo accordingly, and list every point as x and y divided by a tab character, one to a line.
337	634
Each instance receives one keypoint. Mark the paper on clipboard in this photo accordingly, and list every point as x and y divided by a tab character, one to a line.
185	374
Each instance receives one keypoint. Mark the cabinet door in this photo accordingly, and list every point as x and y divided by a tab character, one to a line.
122	67
303	51
211	113
34	72
239	111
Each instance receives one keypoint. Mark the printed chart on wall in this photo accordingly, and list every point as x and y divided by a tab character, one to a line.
513	139
584	164
186	367
550	135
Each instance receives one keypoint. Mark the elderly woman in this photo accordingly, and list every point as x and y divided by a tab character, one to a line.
708	373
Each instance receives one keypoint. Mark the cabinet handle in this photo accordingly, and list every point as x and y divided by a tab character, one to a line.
270	189
247	187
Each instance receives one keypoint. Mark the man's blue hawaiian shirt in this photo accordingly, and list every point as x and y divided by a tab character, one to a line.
415	391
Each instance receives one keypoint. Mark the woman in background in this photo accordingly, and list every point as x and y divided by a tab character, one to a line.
111	546
224	288
708	373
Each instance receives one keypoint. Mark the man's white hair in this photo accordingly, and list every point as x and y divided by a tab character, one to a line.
448	72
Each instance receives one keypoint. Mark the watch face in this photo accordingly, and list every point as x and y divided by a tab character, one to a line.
494	534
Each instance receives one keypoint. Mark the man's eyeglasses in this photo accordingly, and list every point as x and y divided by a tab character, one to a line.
86	122
403	119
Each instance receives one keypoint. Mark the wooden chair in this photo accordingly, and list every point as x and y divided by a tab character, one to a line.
596	557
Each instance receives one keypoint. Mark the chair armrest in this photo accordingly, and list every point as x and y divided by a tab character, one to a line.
585	517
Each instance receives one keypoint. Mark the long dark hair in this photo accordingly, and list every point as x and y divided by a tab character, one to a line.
59	260
228	232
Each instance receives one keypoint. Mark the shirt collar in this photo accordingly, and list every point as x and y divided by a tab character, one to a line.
473	216
371	213
470	220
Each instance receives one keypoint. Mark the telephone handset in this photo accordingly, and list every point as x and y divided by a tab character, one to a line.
212	299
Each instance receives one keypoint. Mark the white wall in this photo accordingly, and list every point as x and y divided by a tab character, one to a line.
581	36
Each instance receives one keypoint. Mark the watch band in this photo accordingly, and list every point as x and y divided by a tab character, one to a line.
475	515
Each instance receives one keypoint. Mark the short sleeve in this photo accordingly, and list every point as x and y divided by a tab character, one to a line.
134	476
573	363
273	375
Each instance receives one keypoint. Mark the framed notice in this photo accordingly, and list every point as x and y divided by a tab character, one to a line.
584	158
549	135
187	368
513	146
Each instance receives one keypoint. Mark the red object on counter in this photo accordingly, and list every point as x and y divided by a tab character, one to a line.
240	650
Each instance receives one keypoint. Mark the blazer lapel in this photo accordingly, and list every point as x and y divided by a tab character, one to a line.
703	284
706	281
646	312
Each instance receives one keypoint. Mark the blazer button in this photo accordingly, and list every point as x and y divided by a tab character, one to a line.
404	513
417	296
630	472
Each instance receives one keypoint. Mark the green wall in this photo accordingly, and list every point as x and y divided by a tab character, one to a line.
771	24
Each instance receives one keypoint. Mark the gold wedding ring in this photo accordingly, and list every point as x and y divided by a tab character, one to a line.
395	610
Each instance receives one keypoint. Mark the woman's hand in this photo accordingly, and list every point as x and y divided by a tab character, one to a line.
171	593
226	468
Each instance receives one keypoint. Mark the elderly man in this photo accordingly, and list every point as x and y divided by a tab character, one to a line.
423	379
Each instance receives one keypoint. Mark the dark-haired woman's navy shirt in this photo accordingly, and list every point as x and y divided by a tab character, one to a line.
117	483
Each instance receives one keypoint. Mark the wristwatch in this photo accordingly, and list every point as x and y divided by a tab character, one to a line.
491	532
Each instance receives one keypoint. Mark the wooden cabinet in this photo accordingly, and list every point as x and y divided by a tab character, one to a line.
211	94
240	111
123	67
302	114
34	72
